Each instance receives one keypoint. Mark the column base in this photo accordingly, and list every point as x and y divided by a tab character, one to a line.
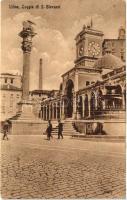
78	115
74	116
27	123
26	110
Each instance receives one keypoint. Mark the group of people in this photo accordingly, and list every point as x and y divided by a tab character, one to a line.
49	130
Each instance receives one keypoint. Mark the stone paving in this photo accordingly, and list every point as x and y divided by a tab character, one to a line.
33	167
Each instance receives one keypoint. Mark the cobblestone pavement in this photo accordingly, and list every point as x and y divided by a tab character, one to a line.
33	167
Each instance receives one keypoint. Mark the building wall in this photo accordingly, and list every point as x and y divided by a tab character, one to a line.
10	92
109	127
13	80
9	100
87	79
116	47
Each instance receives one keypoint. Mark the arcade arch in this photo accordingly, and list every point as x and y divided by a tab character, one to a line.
69	98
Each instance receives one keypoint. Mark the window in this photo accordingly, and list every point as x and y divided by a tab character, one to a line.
11	80
122	56
5	80
11	103
87	83
3	109
92	82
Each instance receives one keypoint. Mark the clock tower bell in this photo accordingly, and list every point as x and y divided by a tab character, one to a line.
88	46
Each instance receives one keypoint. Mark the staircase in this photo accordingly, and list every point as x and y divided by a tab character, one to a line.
68	128
15	117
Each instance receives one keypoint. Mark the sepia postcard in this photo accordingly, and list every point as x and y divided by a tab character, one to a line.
63	99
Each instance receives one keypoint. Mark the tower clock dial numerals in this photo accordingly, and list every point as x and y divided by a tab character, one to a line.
94	48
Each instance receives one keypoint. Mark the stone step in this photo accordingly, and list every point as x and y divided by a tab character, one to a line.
99	138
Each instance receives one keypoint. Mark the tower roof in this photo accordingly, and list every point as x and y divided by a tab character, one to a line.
108	61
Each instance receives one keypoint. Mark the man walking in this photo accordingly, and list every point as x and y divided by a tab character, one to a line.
60	129
5	130
49	130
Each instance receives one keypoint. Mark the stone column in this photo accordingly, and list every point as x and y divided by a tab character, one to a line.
104	105
56	110
53	111
46	112
89	115
27	34
49	112
25	77
62	108
83	107
123	99
43	112
78	109
123	102
74	106
76	82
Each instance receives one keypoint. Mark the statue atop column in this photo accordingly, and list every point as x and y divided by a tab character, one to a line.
27	34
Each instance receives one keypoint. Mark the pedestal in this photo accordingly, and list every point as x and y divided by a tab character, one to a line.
27	123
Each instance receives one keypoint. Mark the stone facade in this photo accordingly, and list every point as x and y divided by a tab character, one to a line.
11	93
116	46
94	89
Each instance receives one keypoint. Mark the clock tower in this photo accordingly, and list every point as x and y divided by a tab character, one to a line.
88	46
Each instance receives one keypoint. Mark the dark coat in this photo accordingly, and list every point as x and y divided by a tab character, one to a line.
60	128
6	127
49	129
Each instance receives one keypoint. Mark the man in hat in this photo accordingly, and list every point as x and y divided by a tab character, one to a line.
5	130
49	130
60	129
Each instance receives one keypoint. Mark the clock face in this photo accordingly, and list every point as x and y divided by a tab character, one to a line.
81	50
94	48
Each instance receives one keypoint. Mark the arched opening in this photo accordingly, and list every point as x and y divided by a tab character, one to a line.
44	112
61	87
69	98
58	110
54	111
118	97
86	107
114	97
92	104
99	100
79	107
48	112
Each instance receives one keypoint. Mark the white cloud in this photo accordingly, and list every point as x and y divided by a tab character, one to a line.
48	44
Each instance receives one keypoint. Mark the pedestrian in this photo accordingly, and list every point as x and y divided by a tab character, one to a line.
5	130
60	129
49	130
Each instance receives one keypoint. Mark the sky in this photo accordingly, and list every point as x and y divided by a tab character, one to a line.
56	30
